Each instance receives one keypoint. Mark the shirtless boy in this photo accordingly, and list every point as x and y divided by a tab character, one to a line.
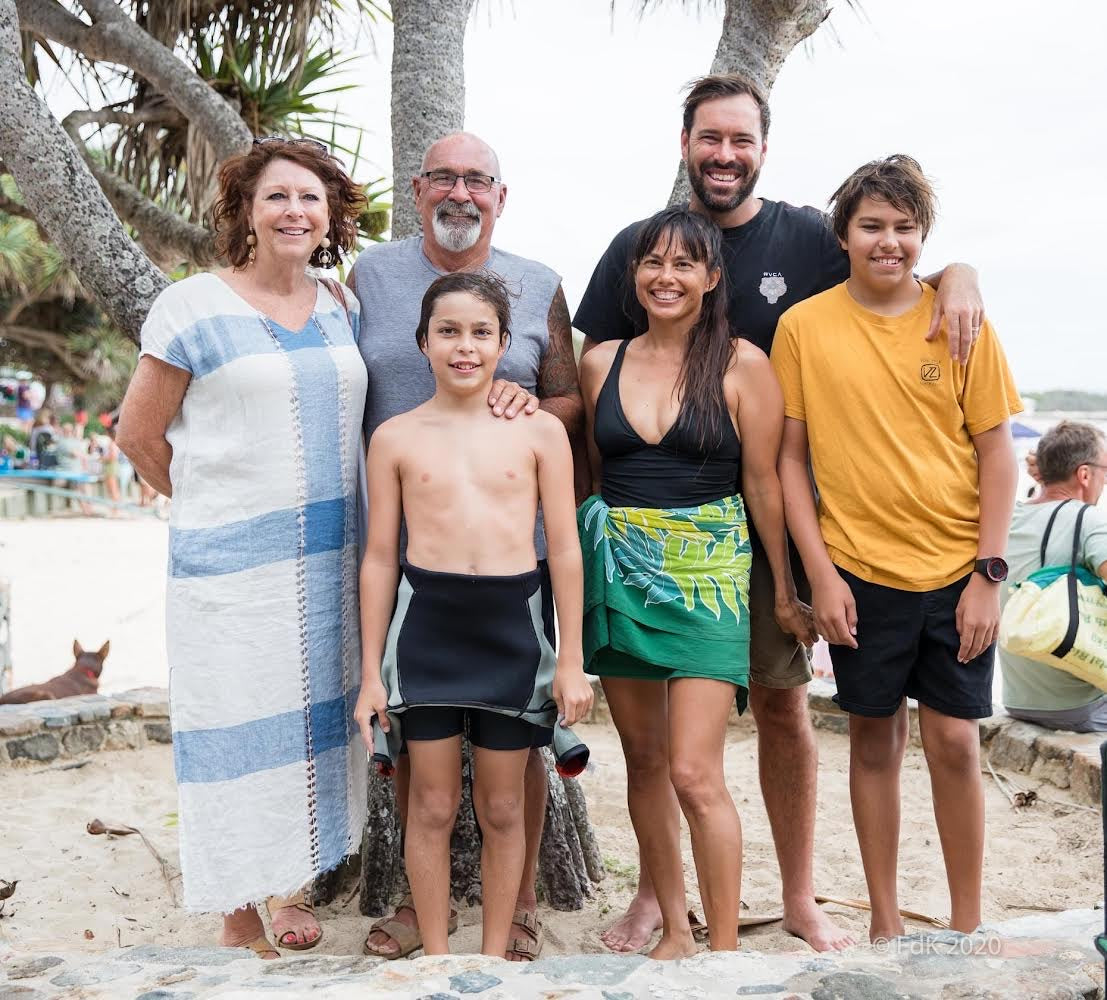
467	486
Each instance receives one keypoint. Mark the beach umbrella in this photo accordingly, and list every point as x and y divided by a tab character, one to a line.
1022	431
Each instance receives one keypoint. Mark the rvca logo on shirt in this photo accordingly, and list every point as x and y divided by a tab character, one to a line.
772	287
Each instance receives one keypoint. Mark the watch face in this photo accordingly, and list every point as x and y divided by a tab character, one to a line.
996	570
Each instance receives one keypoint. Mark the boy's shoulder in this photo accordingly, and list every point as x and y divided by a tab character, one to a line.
816	308
392	430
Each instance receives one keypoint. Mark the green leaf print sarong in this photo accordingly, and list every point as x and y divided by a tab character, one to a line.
666	592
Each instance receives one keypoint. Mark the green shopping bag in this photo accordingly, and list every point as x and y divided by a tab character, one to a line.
1058	615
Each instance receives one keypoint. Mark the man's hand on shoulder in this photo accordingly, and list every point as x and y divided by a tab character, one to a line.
509	399
959	303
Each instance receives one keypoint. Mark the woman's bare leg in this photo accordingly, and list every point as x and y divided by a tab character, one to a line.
698	712
639	711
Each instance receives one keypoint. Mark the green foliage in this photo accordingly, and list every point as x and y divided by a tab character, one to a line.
1069	400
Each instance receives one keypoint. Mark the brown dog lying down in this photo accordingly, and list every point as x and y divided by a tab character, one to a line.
81	678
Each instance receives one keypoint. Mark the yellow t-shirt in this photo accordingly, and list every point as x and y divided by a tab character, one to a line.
889	422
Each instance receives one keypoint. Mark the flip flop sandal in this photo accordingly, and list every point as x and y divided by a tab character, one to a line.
299	902
530	947
408	938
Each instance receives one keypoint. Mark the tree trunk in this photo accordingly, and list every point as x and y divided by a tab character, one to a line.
428	91
568	862
756	38
65	198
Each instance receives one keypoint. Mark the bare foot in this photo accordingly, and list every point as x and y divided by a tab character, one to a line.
242	928
885	931
382	943
675	946
808	922
292	926
634	928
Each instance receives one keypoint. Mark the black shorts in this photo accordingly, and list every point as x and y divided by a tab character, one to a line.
485	729
489	730
907	646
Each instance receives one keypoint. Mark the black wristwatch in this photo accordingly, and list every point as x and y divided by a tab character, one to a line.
994	568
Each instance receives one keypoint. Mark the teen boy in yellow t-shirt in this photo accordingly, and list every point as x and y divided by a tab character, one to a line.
916	477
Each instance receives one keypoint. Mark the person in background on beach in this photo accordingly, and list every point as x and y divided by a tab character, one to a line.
774	256
468	613
459	195
1071	467
246	409
673	416
916	475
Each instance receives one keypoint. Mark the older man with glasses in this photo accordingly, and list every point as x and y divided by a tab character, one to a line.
459	195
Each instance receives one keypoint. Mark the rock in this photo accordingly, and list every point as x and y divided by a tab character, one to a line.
158	955
158	732
34	967
55	714
1013	746
322	965
761	989
121	734
91	975
591	970
20	993
473	982
164	995
41	747
857	986
83	739
15	720
94	708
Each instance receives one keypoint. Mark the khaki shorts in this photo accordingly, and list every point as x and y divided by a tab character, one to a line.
777	660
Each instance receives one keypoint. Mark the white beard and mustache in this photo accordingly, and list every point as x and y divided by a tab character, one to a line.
456	227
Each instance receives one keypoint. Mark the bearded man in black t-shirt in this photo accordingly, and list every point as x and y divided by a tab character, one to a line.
776	255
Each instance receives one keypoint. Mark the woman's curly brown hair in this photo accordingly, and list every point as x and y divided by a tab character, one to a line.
238	181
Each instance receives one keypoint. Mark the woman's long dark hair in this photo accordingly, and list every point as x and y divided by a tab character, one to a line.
707	352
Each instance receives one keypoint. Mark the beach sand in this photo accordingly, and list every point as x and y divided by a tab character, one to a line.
79	892
97	579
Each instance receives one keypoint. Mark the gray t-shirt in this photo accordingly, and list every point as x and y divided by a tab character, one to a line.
391	279
1028	684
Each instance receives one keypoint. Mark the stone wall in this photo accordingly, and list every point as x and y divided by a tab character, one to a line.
45	731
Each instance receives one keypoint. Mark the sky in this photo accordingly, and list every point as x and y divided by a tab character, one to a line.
1000	100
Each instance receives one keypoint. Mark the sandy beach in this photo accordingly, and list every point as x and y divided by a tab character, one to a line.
86	893
96	579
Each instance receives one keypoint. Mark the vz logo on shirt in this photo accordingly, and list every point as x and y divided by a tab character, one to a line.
772	287
931	371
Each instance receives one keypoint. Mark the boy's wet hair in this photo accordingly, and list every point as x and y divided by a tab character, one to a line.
1066	447
487	286
897	179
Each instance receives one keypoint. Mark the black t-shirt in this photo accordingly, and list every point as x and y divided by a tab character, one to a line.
782	256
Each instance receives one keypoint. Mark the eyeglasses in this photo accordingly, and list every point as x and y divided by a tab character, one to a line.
261	140
1095	465
444	180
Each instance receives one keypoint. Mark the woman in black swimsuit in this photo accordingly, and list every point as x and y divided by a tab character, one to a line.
677	419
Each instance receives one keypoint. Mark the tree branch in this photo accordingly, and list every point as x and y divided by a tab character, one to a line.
169	117
45	340
66	199
156	225
114	37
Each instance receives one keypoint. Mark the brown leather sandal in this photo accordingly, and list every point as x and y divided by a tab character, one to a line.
408	938
530	947
261	947
299	902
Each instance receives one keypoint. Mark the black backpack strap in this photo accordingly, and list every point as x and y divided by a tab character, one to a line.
1049	528
1074	608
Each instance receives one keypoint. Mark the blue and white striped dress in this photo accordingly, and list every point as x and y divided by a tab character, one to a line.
262	609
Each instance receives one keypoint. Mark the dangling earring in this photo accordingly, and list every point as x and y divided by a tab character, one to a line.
252	242
325	257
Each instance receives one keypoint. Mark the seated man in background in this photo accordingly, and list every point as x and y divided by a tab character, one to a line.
1071	465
